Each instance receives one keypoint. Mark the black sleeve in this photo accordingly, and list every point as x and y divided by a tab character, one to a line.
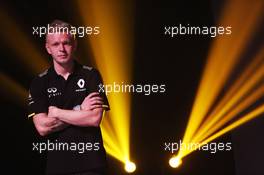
95	84
37	99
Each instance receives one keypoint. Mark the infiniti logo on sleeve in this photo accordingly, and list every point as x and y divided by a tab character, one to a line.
52	92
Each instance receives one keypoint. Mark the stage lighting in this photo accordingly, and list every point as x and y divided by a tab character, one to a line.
175	162
223	97
130	167
112	51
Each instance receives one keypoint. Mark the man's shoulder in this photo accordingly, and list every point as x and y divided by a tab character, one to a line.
88	70
43	74
40	78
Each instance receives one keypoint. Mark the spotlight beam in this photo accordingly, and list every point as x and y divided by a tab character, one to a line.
24	48
258	93
251	115
222	59
239	90
12	90
112	52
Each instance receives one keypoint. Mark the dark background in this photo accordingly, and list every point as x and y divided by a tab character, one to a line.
158	118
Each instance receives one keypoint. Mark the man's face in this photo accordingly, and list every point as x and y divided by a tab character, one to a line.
61	47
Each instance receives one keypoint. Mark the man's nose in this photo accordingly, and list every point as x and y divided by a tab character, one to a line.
61	47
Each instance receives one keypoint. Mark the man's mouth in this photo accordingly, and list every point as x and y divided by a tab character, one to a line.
62	56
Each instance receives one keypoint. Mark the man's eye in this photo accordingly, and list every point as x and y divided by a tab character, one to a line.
55	44
67	43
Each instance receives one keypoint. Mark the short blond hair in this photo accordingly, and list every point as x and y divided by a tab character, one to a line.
59	26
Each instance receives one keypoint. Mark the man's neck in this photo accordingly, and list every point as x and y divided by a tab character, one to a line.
64	70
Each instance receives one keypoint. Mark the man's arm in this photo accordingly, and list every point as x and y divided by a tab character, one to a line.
49	123
78	118
38	108
90	114
46	125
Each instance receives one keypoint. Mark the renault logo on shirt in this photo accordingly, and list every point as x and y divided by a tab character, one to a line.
81	84
52	92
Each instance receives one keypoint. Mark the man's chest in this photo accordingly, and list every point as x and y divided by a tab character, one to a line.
66	93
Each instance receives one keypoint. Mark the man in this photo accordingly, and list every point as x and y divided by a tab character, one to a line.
67	108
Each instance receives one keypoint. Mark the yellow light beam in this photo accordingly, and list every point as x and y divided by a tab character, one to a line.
12	90
112	51
21	43
250	70
115	153
244	89
109	127
251	115
222	58
239	108
111	139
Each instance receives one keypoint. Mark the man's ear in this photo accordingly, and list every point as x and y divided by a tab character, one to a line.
47	48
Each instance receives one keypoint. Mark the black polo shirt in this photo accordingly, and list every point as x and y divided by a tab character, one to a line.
51	89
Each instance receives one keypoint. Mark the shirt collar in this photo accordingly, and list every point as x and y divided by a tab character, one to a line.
76	69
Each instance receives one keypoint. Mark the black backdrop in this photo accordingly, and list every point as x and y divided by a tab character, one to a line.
176	62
